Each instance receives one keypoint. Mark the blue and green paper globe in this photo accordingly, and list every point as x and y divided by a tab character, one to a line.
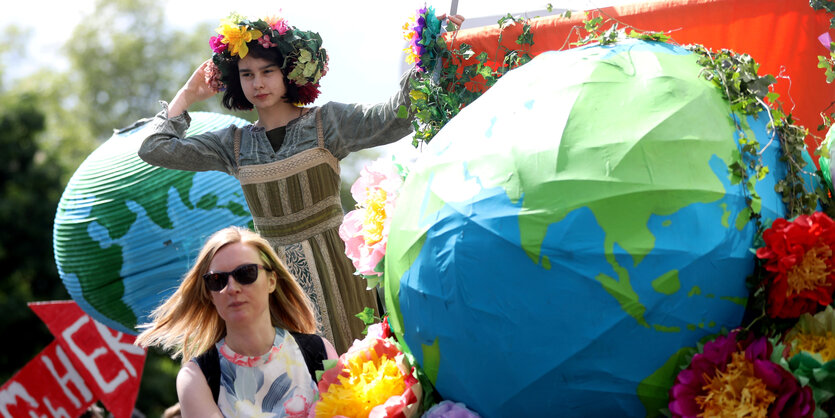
573	231
126	232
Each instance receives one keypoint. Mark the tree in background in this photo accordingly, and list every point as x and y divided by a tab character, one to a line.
30	186
123	58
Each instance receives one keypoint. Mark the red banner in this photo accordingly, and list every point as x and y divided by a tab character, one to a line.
86	362
781	35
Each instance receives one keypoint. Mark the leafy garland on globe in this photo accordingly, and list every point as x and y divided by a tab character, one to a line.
437	97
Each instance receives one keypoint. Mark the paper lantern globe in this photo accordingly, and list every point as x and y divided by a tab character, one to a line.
126	232
572	231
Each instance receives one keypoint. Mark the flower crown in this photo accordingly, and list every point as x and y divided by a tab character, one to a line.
305	61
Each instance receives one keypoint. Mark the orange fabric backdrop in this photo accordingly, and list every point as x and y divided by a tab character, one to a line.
781	35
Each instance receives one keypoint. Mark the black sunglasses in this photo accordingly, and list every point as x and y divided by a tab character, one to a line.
243	274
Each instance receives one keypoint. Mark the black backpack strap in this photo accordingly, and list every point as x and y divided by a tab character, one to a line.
209	363
313	351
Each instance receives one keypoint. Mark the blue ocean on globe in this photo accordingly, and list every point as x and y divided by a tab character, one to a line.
566	241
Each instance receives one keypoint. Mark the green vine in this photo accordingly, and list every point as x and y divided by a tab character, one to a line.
437	100
827	63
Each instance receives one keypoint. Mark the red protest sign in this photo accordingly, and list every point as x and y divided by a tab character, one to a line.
97	363
48	386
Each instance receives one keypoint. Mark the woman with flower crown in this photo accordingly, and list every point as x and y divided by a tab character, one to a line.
288	160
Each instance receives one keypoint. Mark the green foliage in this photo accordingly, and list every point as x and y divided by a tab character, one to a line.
30	186
436	101
828	5
124	58
747	92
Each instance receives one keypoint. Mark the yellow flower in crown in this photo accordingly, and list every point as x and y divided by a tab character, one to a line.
236	36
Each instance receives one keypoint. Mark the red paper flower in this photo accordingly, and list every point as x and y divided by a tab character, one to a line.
798	255
735	377
308	93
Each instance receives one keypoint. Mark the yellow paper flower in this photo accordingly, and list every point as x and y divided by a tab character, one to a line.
369	383
237	36
375	216
736	392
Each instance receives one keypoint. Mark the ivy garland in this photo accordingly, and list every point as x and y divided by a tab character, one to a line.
437	99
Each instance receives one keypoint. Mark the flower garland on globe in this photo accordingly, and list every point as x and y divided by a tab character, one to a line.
305	61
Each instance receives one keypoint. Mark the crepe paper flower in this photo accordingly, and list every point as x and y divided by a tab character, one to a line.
213	78
308	93
811	346
734	375
814	335
216	42
798	255
371	380
450	409
365	230
278	24
236	37
422	31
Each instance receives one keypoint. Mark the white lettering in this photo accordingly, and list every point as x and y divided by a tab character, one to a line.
56	413
117	347
72	375
89	361
9	397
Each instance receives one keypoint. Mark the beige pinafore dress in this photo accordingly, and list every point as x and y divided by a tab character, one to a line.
295	205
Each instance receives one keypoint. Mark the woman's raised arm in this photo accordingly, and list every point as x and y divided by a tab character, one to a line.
195	90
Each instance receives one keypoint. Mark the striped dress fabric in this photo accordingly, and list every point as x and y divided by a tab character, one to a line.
295	205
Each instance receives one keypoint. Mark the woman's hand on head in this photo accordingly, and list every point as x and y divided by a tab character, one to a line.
195	90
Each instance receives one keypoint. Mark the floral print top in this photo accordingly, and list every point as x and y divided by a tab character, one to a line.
276	384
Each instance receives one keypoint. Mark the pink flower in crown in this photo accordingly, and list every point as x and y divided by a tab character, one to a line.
278	24
216	42
266	42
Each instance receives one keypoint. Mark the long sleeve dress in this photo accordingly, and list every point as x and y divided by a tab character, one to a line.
293	193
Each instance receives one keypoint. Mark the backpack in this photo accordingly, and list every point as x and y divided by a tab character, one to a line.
311	345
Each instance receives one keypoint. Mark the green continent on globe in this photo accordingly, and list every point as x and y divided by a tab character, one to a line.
579	172
97	268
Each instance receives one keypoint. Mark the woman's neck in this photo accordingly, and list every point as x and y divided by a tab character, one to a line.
253	339
275	117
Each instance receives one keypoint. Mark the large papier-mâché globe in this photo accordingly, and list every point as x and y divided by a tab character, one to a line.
126	232
572	231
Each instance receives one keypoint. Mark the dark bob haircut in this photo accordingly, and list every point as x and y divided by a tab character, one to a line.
233	97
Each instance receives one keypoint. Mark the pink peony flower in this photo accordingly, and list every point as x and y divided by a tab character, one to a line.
691	388
281	26
365	230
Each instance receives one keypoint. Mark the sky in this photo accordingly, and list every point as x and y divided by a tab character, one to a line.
363	37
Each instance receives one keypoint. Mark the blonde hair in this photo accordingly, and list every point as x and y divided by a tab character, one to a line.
188	324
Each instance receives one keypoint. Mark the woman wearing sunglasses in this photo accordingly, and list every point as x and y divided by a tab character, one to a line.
288	160
243	327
